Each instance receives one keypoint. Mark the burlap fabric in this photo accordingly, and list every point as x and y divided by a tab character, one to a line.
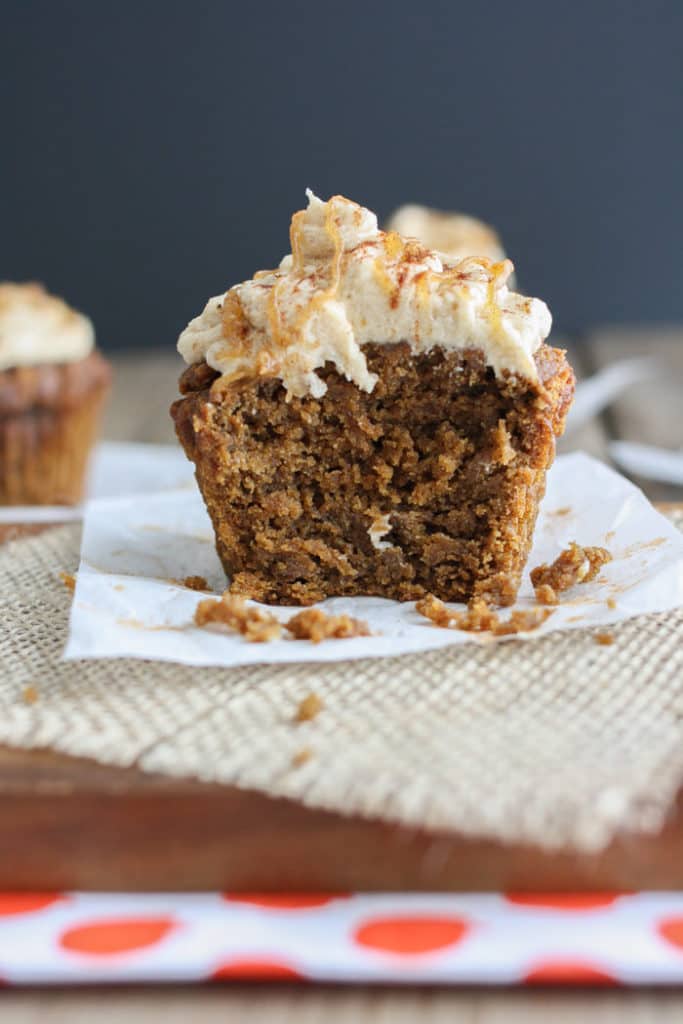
558	741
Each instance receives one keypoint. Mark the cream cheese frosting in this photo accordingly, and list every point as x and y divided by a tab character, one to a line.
454	234
345	284
38	328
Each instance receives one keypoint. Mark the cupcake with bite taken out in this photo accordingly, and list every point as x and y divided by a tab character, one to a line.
372	417
53	383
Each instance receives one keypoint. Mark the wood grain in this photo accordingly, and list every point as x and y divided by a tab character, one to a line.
71	823
273	1004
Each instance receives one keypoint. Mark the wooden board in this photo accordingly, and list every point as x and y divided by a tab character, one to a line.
70	823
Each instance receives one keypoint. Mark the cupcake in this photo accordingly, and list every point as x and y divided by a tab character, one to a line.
454	234
372	417
52	386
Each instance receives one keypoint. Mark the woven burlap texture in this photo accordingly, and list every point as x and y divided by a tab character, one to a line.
557	741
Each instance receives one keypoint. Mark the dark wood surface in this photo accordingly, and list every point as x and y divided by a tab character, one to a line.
71	823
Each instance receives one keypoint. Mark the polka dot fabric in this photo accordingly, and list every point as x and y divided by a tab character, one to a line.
598	939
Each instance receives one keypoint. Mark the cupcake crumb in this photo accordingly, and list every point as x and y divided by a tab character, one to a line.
231	611
545	594
301	757
315	625
604	639
30	695
611	603
575	564
309	708
69	580
480	618
195	583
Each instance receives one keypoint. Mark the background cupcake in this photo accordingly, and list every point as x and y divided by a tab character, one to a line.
52	386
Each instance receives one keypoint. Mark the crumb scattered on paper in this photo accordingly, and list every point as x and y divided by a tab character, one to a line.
308	708
524	620
195	583
69	580
30	694
604	639
546	595
479	618
315	625
573	565
231	611
301	757
611	603
564	511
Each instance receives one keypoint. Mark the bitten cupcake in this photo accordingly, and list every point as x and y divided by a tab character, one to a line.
372	417
53	384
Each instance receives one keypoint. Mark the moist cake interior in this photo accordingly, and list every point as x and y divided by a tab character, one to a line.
429	483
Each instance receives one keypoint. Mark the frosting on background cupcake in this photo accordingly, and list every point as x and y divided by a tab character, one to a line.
38	328
454	234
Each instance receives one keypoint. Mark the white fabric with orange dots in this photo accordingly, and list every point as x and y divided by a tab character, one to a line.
588	939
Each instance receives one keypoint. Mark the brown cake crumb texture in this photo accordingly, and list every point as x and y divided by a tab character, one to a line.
195	583
480	618
452	457
30	695
69	580
575	564
308	708
232	611
301	757
315	625
604	639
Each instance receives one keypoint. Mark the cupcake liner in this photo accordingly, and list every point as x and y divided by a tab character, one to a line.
44	451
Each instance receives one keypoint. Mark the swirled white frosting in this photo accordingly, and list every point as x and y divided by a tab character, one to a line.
36	328
346	284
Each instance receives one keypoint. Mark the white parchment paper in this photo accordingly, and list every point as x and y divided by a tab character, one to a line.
128	601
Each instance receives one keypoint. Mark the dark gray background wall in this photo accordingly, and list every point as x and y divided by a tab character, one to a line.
153	152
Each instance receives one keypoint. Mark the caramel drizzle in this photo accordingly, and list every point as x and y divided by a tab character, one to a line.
396	250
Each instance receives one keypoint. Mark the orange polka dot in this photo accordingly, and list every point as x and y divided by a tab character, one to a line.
285	901
411	934
671	929
256	970
564	901
116	935
567	972
26	902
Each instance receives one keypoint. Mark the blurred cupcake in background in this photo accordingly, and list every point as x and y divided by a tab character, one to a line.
454	234
53	383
